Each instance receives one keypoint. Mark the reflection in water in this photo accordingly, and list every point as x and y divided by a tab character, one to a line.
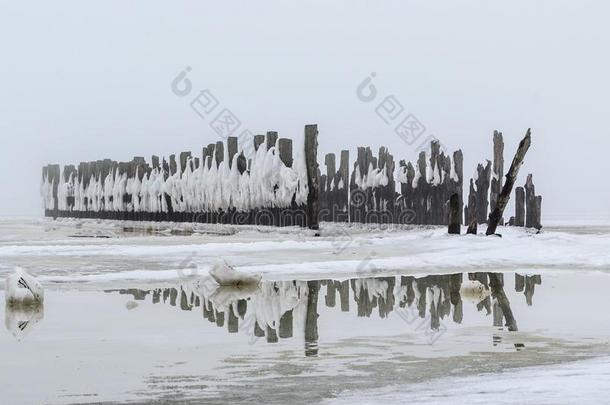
282	309
20	320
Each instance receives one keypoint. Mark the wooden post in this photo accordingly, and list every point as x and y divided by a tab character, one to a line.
498	169
219	152
511	177
173	168
210	153
458	166
258	141
184	156
271	139
537	218
343	185
454	214
519	206
530	202
285	151
471	214
482	182
231	148
329	200
311	162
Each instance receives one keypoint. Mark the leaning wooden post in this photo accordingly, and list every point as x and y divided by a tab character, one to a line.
454	214
311	162
511	177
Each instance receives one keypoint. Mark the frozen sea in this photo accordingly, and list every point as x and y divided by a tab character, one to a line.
358	314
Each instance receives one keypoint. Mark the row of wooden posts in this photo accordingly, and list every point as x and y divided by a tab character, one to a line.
430	192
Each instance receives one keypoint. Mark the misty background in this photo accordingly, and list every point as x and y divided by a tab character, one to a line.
84	81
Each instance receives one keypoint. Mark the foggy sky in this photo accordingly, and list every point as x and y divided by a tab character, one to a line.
91	80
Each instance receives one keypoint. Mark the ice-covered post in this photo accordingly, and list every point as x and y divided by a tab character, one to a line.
311	162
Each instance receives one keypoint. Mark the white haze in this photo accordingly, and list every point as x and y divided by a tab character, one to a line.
91	80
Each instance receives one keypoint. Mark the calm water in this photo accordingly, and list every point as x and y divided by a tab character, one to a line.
300	341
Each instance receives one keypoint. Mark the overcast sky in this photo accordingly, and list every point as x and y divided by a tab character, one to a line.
90	80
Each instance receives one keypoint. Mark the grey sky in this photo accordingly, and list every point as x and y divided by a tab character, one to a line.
90	80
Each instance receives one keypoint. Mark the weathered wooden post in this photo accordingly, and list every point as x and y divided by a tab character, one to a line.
511	177
454	214
219	152
329	202
258	141
271	139
498	170
184	157
482	183
311	162
519	206
471	210
231	149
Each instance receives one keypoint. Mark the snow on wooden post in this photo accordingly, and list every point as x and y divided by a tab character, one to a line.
530	202
519	206
511	177
311	162
454	214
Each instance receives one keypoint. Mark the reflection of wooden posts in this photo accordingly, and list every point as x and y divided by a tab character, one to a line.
331	294
455	283
285	328
454	214
497	290
311	319
511	177
271	335
232	322
311	161
344	295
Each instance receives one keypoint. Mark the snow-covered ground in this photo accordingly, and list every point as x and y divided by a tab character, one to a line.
91	251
